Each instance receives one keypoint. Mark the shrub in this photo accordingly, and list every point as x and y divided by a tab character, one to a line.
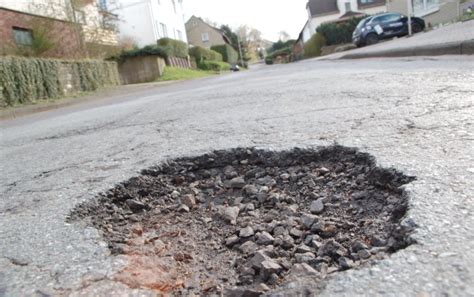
338	33
269	59
149	50
175	47
312	48
214	66
229	54
204	54
25	80
280	45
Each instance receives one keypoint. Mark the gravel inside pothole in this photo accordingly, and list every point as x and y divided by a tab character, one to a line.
244	222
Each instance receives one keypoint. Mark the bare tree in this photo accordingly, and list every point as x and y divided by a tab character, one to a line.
284	36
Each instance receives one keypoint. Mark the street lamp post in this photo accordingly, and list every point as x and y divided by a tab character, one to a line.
410	11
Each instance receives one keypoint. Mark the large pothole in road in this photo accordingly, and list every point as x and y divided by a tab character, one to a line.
245	221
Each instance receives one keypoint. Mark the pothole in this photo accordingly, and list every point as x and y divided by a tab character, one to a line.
248	221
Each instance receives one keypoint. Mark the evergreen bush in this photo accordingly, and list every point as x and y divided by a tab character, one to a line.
229	54
214	66
204	54
339	33
149	50
312	48
174	47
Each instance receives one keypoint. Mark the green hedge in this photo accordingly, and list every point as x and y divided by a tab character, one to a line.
229	54
312	48
339	33
174	47
149	50
214	66
269	59
204	54
26	80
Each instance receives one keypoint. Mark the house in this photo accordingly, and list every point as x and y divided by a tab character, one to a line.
53	27
432	11
146	21
204	35
327	11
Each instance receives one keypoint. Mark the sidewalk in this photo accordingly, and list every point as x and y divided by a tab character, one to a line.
454	39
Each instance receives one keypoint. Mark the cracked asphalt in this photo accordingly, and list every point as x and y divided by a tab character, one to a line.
414	114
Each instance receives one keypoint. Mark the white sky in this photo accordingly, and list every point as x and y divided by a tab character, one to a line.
268	16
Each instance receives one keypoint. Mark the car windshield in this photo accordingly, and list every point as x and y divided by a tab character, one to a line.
362	23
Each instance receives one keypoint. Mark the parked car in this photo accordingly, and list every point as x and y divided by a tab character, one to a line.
374	28
234	68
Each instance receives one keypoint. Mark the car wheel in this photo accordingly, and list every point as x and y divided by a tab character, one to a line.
371	39
416	28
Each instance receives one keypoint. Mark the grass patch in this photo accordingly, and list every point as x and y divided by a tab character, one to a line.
174	73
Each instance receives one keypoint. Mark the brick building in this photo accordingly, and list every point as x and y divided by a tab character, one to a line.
17	30
57	28
202	34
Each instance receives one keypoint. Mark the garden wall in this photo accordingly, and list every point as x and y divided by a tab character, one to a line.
27	80
141	69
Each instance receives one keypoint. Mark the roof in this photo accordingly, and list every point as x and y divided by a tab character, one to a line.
319	7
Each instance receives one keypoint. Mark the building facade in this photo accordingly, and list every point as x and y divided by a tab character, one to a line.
204	35
326	11
146	21
434	12
68	29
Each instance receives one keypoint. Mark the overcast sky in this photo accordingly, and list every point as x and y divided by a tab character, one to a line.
268	16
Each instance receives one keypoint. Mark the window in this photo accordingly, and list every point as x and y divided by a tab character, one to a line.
180	35
205	37
174	5
366	1
80	17
392	17
23	37
423	6
348	6
164	30
102	4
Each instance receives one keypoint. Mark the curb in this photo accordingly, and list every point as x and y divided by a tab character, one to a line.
453	48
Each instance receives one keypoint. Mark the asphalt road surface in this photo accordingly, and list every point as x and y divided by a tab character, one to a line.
415	114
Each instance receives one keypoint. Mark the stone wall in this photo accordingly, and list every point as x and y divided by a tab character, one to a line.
141	69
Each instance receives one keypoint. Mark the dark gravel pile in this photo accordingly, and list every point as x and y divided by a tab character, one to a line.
246	221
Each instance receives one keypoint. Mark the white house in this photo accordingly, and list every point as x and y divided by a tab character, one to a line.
146	21
326	11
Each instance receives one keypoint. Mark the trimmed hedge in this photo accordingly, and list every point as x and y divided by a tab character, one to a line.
229	54
312	48
204	54
149	50
26	80
339	33
214	66
174	47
